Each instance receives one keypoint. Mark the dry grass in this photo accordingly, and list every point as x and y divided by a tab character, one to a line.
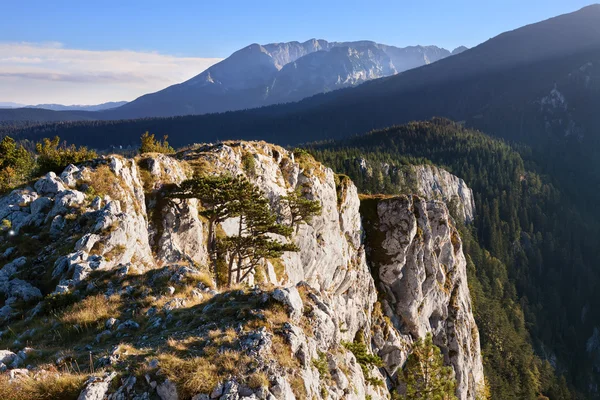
91	311
258	380
203	374
103	181
49	386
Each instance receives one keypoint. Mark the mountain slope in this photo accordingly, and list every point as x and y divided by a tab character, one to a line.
74	107
530	246
259	75
536	84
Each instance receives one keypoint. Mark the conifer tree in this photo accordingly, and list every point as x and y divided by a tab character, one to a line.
425	375
300	208
224	197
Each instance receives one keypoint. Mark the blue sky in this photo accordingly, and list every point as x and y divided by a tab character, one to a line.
194	34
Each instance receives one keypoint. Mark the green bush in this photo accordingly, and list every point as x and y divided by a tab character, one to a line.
152	145
16	164
52	155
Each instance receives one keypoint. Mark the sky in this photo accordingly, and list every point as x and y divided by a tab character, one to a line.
88	52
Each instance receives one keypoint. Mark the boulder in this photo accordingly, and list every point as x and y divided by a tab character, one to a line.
291	298
49	185
167	391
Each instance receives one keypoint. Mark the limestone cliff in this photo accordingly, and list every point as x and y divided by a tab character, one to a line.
418	263
102	236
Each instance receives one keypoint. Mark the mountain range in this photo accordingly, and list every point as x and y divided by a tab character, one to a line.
61	107
532	84
260	75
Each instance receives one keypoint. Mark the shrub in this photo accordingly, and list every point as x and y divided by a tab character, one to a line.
16	164
52	155
151	145
365	359
249	164
49	386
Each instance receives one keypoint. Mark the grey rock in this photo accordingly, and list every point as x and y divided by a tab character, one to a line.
49	185
69	175
167	390
58	226
40	205
291	298
129	324
102	335
7	356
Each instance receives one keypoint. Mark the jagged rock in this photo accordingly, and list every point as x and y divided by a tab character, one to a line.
167	391
94	390
40	205
64	201
129	324
102	335
58	226
18	288
174	304
111	323
69	175
7	253
330	269
49	185
422	272
9	270
7	356
18	373
291	298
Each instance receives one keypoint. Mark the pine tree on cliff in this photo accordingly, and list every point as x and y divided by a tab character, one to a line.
425	375
299	207
224	197
217	194
254	242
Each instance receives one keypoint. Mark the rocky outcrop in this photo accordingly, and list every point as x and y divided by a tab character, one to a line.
112	215
418	262
435	183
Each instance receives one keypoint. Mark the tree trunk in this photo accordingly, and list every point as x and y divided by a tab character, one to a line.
230	270
212	246
239	261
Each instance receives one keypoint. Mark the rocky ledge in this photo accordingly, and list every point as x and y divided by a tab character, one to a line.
120	278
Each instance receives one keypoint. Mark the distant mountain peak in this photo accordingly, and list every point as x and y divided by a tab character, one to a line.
459	50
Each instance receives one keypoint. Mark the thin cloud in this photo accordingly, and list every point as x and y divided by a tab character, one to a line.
50	73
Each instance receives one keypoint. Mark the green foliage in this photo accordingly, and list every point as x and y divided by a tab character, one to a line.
321	365
527	248
425	375
52	155
225	197
249	164
151	145
16	164
300	208
365	358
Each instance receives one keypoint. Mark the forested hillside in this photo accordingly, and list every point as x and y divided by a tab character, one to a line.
532	252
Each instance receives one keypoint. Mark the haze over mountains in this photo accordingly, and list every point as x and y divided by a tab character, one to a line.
258	75
61	107
539	79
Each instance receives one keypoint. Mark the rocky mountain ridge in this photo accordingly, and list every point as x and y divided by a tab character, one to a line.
101	230
259	75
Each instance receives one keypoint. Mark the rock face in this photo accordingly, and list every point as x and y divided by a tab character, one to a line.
432	183
420	267
112	215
